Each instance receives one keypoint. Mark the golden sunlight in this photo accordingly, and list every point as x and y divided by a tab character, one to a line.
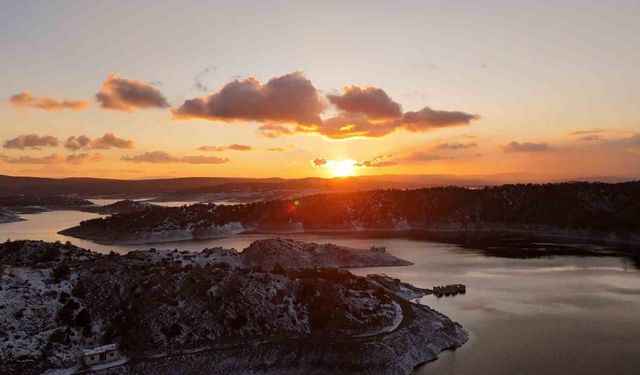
341	168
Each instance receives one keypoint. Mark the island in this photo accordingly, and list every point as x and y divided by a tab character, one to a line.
595	212
262	310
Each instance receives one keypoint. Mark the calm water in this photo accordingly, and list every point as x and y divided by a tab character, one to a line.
553	315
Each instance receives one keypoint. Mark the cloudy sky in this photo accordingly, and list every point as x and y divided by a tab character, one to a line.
293	89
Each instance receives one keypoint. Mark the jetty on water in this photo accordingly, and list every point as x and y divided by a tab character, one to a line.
449	290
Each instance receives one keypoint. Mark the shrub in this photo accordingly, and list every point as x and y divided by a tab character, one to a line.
50	254
79	290
61	272
58	336
65	314
83	319
174	330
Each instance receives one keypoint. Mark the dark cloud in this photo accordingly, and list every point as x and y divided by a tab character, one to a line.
127	95
289	98
318	162
232	147
456	146
50	159
106	142
427	119
293	100
32	141
526	147
27	100
109	140
372	102
276	149
274	130
76	143
161	157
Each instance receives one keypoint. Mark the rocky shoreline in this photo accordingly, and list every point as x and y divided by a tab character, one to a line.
446	233
278	307
397	353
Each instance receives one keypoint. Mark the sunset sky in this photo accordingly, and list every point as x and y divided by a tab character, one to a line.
294	89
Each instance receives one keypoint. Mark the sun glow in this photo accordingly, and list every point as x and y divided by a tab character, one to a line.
342	168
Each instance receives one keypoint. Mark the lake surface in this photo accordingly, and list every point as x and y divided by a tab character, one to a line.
549	315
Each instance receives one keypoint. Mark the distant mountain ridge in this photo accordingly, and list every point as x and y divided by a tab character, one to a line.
188	186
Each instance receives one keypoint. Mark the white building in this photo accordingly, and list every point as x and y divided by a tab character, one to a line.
101	354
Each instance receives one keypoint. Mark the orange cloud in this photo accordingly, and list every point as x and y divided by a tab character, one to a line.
289	98
32	141
127	95
292	99
347	125
233	147
369	101
161	157
377	162
456	146
50	159
27	100
274	130
107	141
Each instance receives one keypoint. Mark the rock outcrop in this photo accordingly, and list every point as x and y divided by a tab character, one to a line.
208	312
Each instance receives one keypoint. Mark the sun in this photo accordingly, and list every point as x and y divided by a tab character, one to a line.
342	168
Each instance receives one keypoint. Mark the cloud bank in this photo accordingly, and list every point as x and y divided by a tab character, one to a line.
293	100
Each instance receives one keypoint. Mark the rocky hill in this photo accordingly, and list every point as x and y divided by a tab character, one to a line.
216	311
594	211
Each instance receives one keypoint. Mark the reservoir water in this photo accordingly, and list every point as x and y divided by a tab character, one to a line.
533	315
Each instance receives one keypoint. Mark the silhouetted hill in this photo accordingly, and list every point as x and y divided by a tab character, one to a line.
578	210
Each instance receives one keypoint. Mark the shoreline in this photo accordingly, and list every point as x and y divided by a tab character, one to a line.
454	235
